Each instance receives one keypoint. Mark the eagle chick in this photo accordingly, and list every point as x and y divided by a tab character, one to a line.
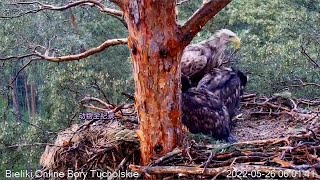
204	112
227	84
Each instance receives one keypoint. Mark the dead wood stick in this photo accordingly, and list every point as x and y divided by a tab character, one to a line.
247	96
223	170
129	96
88	99
241	154
168	155
309	102
272	141
28	145
205	164
240	159
122	163
95	108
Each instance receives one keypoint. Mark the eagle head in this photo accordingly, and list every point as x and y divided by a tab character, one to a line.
226	36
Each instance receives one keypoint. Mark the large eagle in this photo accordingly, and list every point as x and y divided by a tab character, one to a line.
227	84
198	59
204	112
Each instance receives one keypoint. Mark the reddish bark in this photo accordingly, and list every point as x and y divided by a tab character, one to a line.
156	67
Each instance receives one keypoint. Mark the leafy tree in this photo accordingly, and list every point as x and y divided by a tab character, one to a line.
274	34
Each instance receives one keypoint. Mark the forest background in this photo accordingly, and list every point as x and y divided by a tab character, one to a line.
280	52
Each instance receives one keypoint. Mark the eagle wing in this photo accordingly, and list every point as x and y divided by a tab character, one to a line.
226	84
203	112
193	60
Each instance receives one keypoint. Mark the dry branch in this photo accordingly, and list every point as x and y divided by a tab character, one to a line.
309	58
100	48
106	105
28	145
195	23
168	155
90	52
44	7
182	2
277	106
123	111
302	84
17	57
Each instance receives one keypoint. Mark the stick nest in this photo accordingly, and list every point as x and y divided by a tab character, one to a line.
114	146
96	146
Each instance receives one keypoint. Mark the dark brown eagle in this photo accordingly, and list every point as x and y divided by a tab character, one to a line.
227	84
198	59
204	112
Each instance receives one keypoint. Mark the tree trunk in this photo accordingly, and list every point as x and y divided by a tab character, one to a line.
156	43
155	54
33	99
15	102
27	96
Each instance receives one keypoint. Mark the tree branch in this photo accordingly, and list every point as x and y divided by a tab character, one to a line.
52	58
16	76
96	86
304	52
17	57
43	7
195	23
182	2
302	84
106	105
27	145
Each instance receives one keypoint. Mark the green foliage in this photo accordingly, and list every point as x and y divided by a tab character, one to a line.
60	87
272	33
16	133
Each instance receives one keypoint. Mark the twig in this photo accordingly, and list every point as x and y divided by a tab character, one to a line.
308	102
182	2
121	164
195	23
97	87
207	162
129	96
304	52
81	56
106	105
95	108
313	134
167	156
21	69
44	7
28	145
303	84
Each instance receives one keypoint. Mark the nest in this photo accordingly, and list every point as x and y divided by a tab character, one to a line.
81	148
114	146
290	157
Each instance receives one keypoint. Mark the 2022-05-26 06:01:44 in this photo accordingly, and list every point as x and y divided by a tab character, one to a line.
270	174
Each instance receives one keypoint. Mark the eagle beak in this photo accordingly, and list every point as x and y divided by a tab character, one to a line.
236	42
